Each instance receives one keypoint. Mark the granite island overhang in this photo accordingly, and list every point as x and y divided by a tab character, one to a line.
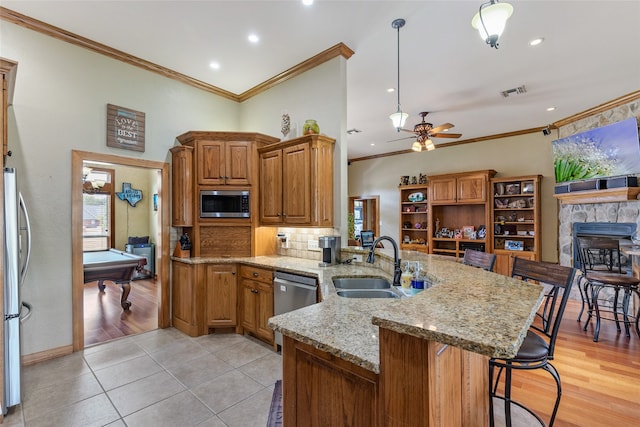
478	311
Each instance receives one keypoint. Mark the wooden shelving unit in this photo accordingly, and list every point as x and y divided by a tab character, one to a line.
414	217
515	226
459	202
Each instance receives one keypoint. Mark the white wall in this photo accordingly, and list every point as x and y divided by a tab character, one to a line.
59	105
318	94
513	156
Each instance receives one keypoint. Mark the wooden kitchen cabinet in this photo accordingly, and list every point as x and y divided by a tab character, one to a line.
321	389
296	182
185	306
224	162
257	301
206	161
182	186
221	285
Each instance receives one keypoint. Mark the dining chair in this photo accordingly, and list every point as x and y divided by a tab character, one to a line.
603	268
538	347
479	259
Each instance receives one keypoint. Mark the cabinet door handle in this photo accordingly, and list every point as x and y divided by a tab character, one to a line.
284	214
255	274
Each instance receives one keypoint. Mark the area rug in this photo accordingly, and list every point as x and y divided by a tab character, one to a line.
275	412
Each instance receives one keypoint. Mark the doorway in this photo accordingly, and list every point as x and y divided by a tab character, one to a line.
80	160
366	214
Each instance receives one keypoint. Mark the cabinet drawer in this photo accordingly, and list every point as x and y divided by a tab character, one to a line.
255	273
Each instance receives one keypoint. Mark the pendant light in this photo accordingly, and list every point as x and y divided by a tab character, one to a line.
491	20
398	118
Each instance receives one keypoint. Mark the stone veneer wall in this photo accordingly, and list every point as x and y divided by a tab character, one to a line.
628	211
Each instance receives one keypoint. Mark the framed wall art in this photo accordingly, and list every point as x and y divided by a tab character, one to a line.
125	128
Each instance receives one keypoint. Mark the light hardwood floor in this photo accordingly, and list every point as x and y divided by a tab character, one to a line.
104	318
600	380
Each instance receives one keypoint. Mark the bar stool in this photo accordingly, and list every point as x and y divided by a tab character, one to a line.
538	346
601	265
479	259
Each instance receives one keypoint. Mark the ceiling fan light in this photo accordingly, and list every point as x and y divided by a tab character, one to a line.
416	147
398	119
494	19
429	145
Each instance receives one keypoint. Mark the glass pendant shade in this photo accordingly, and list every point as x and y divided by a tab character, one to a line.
429	145
494	17
398	119
416	146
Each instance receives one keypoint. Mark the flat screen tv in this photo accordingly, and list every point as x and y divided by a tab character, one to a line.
612	150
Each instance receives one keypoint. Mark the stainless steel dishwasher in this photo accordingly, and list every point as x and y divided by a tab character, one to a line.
291	292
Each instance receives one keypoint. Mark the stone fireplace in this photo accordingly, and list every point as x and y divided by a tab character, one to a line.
617	219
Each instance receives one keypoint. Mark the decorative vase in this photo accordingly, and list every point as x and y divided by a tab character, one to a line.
310	127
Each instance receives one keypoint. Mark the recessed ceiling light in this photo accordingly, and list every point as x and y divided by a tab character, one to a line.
391	89
253	38
214	65
551	108
307	2
373	144
536	41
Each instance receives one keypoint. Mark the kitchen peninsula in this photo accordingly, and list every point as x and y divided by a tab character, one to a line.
419	361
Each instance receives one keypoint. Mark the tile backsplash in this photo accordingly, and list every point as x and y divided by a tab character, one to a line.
299	242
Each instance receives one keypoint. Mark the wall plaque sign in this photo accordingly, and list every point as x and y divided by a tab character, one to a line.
125	128
129	194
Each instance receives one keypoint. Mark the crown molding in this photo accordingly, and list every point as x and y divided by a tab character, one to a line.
25	21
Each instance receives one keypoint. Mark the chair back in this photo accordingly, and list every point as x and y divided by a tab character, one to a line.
479	259
559	279
599	254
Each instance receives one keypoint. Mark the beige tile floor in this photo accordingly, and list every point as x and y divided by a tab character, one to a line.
159	378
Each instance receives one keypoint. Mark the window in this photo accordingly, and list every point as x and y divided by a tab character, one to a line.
97	209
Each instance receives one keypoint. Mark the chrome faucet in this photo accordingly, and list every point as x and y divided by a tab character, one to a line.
396	259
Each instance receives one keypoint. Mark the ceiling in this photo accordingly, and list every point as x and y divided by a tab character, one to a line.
589	55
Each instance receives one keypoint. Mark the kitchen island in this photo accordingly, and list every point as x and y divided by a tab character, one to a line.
410	361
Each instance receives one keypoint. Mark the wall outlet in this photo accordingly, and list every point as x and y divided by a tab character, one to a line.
357	258
312	245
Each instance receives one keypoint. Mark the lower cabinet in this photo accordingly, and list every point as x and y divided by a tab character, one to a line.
204	296
256	301
184	298
321	389
504	260
222	295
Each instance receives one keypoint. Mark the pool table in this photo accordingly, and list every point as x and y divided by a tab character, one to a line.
113	265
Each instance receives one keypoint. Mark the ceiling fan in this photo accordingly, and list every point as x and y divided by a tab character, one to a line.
425	131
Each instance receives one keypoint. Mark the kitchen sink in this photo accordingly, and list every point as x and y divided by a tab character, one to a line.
368	293
361	283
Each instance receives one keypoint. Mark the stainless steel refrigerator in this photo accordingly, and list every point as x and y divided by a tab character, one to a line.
16	258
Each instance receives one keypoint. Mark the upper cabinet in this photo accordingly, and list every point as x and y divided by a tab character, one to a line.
224	162
181	186
458	211
460	188
296	182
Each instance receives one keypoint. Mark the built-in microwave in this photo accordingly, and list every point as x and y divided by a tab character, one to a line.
224	204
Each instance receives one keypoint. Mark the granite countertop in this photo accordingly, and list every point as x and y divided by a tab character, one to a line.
466	307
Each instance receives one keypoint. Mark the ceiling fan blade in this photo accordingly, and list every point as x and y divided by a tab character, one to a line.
407	130
441	127
446	135
402	139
